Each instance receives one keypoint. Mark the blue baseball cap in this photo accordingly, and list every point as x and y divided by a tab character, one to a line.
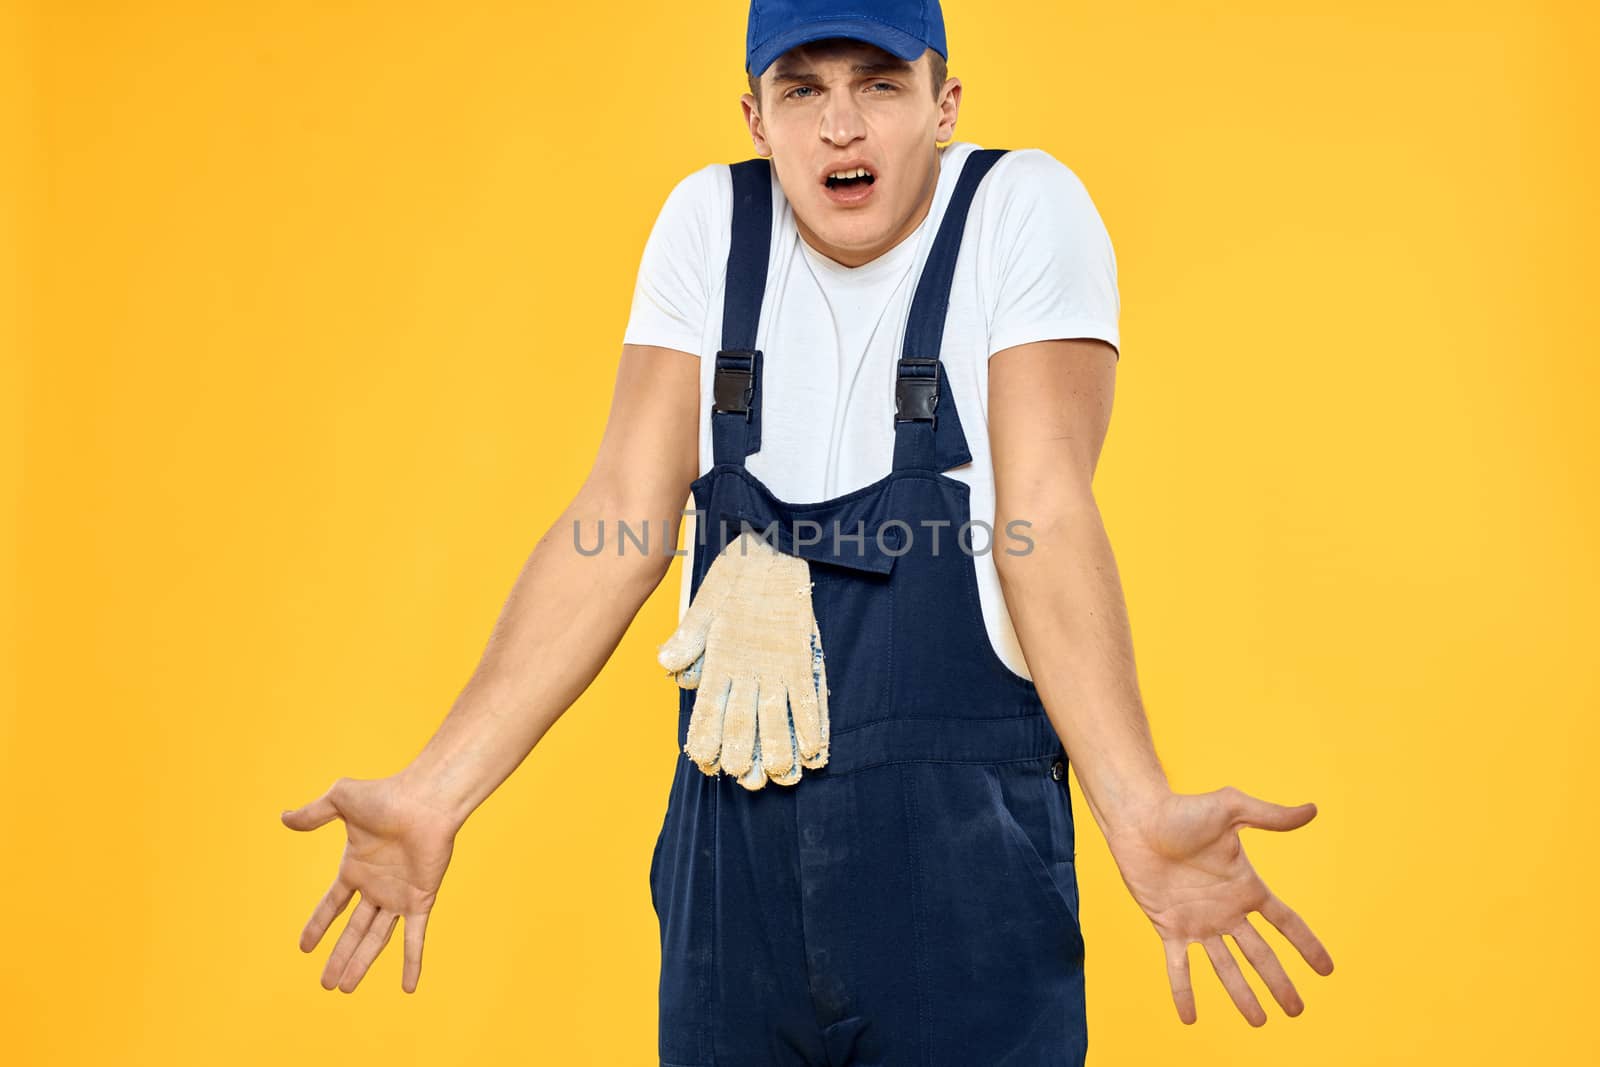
905	28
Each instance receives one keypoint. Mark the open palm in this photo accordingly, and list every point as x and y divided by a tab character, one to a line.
1186	868
395	856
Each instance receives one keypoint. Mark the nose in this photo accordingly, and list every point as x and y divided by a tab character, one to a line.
842	121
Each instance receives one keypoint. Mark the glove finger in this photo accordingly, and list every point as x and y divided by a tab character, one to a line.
739	725
704	744
787	779
811	721
776	733
755	777
688	641
792	774
689	677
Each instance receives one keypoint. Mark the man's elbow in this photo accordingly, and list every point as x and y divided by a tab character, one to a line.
633	522
1044	520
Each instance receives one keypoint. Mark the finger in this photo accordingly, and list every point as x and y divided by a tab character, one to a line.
1265	815
776	735
345	947
1178	979
377	936
810	705
688	641
704	741
328	908
1265	961
1244	998
312	815
739	725
789	777
689	677
756	777
806	709
1294	928
416	927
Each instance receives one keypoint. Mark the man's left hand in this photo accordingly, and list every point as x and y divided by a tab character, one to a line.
1182	860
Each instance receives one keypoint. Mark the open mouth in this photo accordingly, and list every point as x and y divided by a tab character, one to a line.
850	184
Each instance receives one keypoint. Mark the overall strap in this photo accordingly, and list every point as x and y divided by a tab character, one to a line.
736	382
927	429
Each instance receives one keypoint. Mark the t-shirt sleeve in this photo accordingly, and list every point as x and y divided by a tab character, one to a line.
1052	272
670	292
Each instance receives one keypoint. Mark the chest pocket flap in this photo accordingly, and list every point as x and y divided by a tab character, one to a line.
840	539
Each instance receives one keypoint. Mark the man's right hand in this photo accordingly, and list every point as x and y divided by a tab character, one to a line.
396	852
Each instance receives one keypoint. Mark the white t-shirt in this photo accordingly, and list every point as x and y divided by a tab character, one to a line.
1036	263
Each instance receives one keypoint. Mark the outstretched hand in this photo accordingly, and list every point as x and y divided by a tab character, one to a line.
1186	868
396	852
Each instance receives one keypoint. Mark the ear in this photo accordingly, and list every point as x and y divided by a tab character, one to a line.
949	107
752	119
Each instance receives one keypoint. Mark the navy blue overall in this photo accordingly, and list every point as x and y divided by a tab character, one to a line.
914	902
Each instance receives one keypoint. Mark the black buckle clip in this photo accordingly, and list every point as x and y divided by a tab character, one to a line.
734	386
916	390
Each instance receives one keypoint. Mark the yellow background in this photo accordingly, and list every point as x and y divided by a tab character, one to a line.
316	310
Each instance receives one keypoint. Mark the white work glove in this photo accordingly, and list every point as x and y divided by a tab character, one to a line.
750	647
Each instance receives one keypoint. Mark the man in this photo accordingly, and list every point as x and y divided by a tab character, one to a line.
930	332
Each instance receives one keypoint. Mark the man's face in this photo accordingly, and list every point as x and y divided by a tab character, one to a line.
839	104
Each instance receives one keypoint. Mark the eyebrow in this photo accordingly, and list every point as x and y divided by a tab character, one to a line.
793	75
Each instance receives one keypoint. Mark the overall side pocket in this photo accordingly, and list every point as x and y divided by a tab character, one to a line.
655	863
1037	814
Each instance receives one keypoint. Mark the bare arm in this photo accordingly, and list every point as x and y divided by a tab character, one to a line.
1049	408
561	622
1179	854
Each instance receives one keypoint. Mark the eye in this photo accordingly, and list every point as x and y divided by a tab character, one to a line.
889	85
791	92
